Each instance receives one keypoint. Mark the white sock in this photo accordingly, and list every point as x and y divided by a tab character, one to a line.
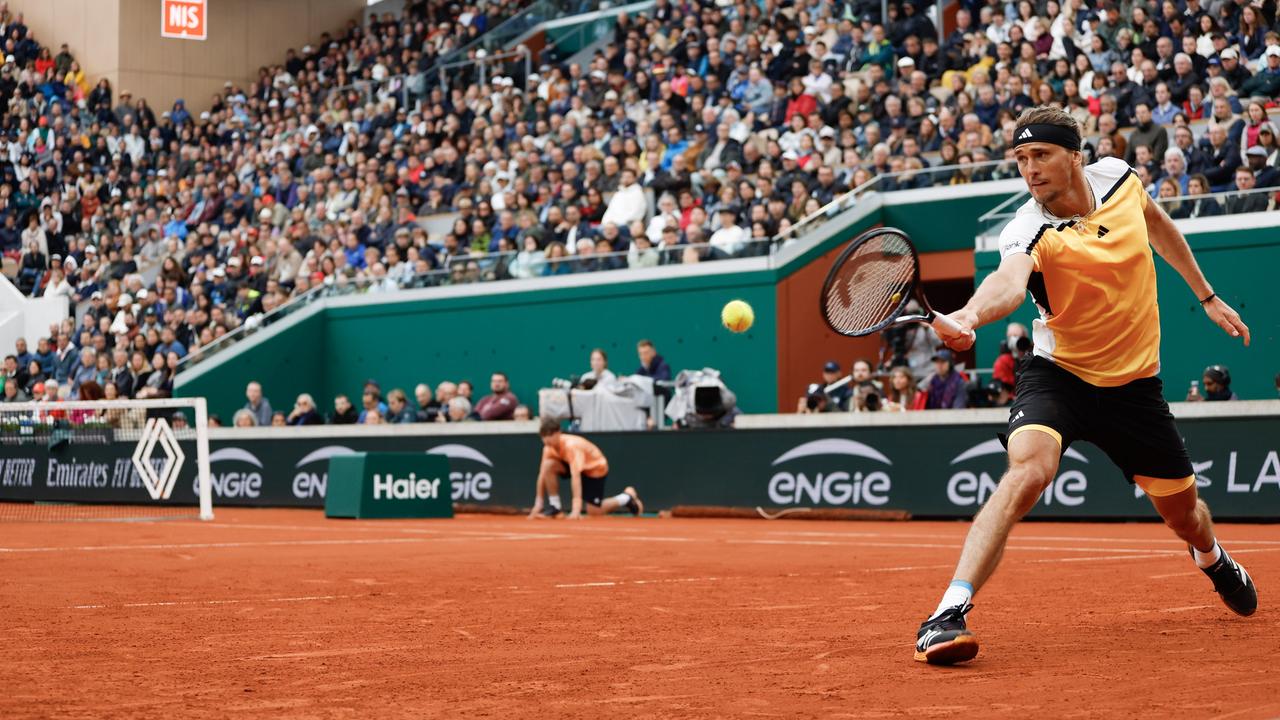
623	499
958	592
554	501
1206	560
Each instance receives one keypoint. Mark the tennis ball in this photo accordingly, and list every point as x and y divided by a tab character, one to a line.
896	297
737	316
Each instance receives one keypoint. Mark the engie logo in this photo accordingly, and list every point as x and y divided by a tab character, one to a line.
386	487
308	484
467	485
1240	477
831	482
967	488
233	473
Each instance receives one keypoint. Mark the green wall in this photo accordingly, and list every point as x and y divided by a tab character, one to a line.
1241	265
540	335
286	365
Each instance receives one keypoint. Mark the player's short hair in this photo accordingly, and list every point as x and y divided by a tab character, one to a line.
549	426
1048	115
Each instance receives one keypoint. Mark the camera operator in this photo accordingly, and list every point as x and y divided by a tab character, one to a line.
834	400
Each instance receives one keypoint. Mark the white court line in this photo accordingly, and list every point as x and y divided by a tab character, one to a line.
501	529
173	603
1050	538
263	543
1037	548
660	581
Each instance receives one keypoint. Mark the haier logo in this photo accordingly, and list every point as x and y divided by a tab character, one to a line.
313	484
233	483
833	483
966	488
386	487
467	485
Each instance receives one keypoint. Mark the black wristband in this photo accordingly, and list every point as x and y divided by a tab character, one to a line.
1211	296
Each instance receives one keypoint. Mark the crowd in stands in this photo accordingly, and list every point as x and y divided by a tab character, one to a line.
703	126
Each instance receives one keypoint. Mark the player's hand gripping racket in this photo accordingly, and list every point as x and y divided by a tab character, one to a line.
868	288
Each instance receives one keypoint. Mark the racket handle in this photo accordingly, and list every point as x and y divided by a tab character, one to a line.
950	326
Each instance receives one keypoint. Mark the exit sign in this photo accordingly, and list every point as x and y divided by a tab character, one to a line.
185	19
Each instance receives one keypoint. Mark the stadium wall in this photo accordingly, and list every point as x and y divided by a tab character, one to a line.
1239	255
120	40
539	329
869	461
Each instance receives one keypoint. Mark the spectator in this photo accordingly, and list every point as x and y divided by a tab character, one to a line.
501	403
1244	201
999	394
85	371
522	413
901	393
946	388
1007	361
278	419
652	364
628	203
244	418
304	412
257	404
398	408
599	372
66	358
371	399
428	411
1217	385
459	410
866	394
819	399
13	393
344	413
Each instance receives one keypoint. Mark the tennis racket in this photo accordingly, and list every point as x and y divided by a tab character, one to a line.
868	288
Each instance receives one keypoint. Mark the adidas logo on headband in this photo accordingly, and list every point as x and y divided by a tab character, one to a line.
1026	134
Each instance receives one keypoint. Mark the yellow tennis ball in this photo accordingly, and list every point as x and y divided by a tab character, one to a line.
737	316
896	297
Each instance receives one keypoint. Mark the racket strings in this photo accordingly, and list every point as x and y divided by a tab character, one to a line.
871	284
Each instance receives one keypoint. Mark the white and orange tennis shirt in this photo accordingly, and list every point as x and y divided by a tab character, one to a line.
1094	280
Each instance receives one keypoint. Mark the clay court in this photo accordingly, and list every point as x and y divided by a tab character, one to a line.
285	614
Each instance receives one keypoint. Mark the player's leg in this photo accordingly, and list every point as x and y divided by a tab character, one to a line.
1188	516
1137	431
628	500
944	639
1033	462
596	503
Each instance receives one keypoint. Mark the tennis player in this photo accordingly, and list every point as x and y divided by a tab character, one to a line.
1082	246
578	460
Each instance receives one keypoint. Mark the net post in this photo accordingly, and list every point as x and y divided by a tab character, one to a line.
202	459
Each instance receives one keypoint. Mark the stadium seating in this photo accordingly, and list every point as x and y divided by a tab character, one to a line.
703	131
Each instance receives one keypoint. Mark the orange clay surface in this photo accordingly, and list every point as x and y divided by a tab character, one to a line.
284	614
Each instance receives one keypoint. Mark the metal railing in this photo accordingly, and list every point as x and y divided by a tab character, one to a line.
936	176
994	220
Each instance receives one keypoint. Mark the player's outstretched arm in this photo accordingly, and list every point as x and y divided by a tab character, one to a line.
999	295
1169	242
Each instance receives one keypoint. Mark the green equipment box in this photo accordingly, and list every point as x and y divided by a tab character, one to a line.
389	485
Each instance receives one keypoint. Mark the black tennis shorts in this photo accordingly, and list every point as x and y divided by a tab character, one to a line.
1130	423
592	488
